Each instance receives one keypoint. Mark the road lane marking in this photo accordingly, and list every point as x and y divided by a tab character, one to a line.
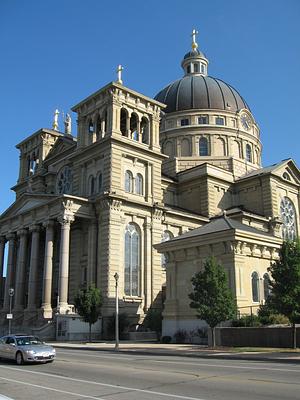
52	389
95	383
188	363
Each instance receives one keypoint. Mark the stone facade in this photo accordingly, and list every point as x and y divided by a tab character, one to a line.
136	174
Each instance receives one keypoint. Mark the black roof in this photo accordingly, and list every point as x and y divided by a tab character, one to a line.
200	92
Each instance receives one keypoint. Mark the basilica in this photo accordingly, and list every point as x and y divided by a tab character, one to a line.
148	189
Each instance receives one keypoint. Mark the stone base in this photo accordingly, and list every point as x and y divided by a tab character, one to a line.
65	308
46	313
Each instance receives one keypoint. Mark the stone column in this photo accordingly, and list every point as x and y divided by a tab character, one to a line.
148	264
34	259
63	281
10	268
2	249
92	252
48	266
20	271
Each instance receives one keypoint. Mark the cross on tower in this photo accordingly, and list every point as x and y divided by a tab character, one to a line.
119	72
194	43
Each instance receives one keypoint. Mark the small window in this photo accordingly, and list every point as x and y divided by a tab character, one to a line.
203	119
100	182
139	184
203	147
255	287
184	122
196	67
286	176
92	185
203	69
91	127
188	69
248	153
128	182
220	121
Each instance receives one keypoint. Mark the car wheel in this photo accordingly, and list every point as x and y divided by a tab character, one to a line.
19	358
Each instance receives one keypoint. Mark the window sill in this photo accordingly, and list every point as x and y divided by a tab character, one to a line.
132	299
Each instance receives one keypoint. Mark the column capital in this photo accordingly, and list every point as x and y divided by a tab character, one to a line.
11	236
22	232
66	220
34	228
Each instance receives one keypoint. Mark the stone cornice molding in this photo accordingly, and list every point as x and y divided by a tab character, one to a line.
110	204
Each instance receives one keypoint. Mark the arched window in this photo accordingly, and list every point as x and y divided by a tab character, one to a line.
123	122
134	127
100	182
267	289
248	153
98	128
185	148
166	235
91	185
288	216
255	287
128	182
145	130
203	147
132	261
105	122
139	184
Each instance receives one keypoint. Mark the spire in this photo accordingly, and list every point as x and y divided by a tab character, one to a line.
55	120
194	43
119	74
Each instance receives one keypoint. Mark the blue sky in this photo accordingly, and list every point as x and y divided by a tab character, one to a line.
55	53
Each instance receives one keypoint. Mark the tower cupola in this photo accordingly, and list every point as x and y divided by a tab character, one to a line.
194	62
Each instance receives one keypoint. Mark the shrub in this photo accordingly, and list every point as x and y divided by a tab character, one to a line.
180	336
246	320
153	321
166	339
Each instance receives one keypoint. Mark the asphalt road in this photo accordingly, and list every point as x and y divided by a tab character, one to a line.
81	374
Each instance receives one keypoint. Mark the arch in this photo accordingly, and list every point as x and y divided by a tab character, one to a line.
64	180
105	122
267	289
219	148
289	218
185	148
169	148
236	149
165	236
123	121
248	153
203	147
98	128
100	182
132	261
134	126
128	182
91	185
255	287
139	187
145	130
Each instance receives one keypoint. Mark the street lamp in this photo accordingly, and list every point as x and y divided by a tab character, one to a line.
9	316
116	276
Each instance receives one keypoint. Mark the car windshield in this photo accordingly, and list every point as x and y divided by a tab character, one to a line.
28	341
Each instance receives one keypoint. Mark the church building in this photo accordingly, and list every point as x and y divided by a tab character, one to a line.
147	188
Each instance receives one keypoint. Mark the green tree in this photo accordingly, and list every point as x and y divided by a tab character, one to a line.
211	296
88	304
285	284
153	321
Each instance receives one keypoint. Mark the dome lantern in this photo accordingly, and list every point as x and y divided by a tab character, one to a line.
194	62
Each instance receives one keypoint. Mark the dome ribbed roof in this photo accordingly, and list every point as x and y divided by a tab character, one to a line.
200	92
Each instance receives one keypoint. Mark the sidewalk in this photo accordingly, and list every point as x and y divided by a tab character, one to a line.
187	350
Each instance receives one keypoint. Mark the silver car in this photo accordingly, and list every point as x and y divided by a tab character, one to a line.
25	348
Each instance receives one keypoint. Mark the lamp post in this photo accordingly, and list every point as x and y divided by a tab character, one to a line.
116	276
11	293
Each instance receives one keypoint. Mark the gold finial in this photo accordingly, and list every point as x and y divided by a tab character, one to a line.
194	43
119	72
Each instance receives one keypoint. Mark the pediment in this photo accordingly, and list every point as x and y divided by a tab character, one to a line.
288	171
25	204
60	146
